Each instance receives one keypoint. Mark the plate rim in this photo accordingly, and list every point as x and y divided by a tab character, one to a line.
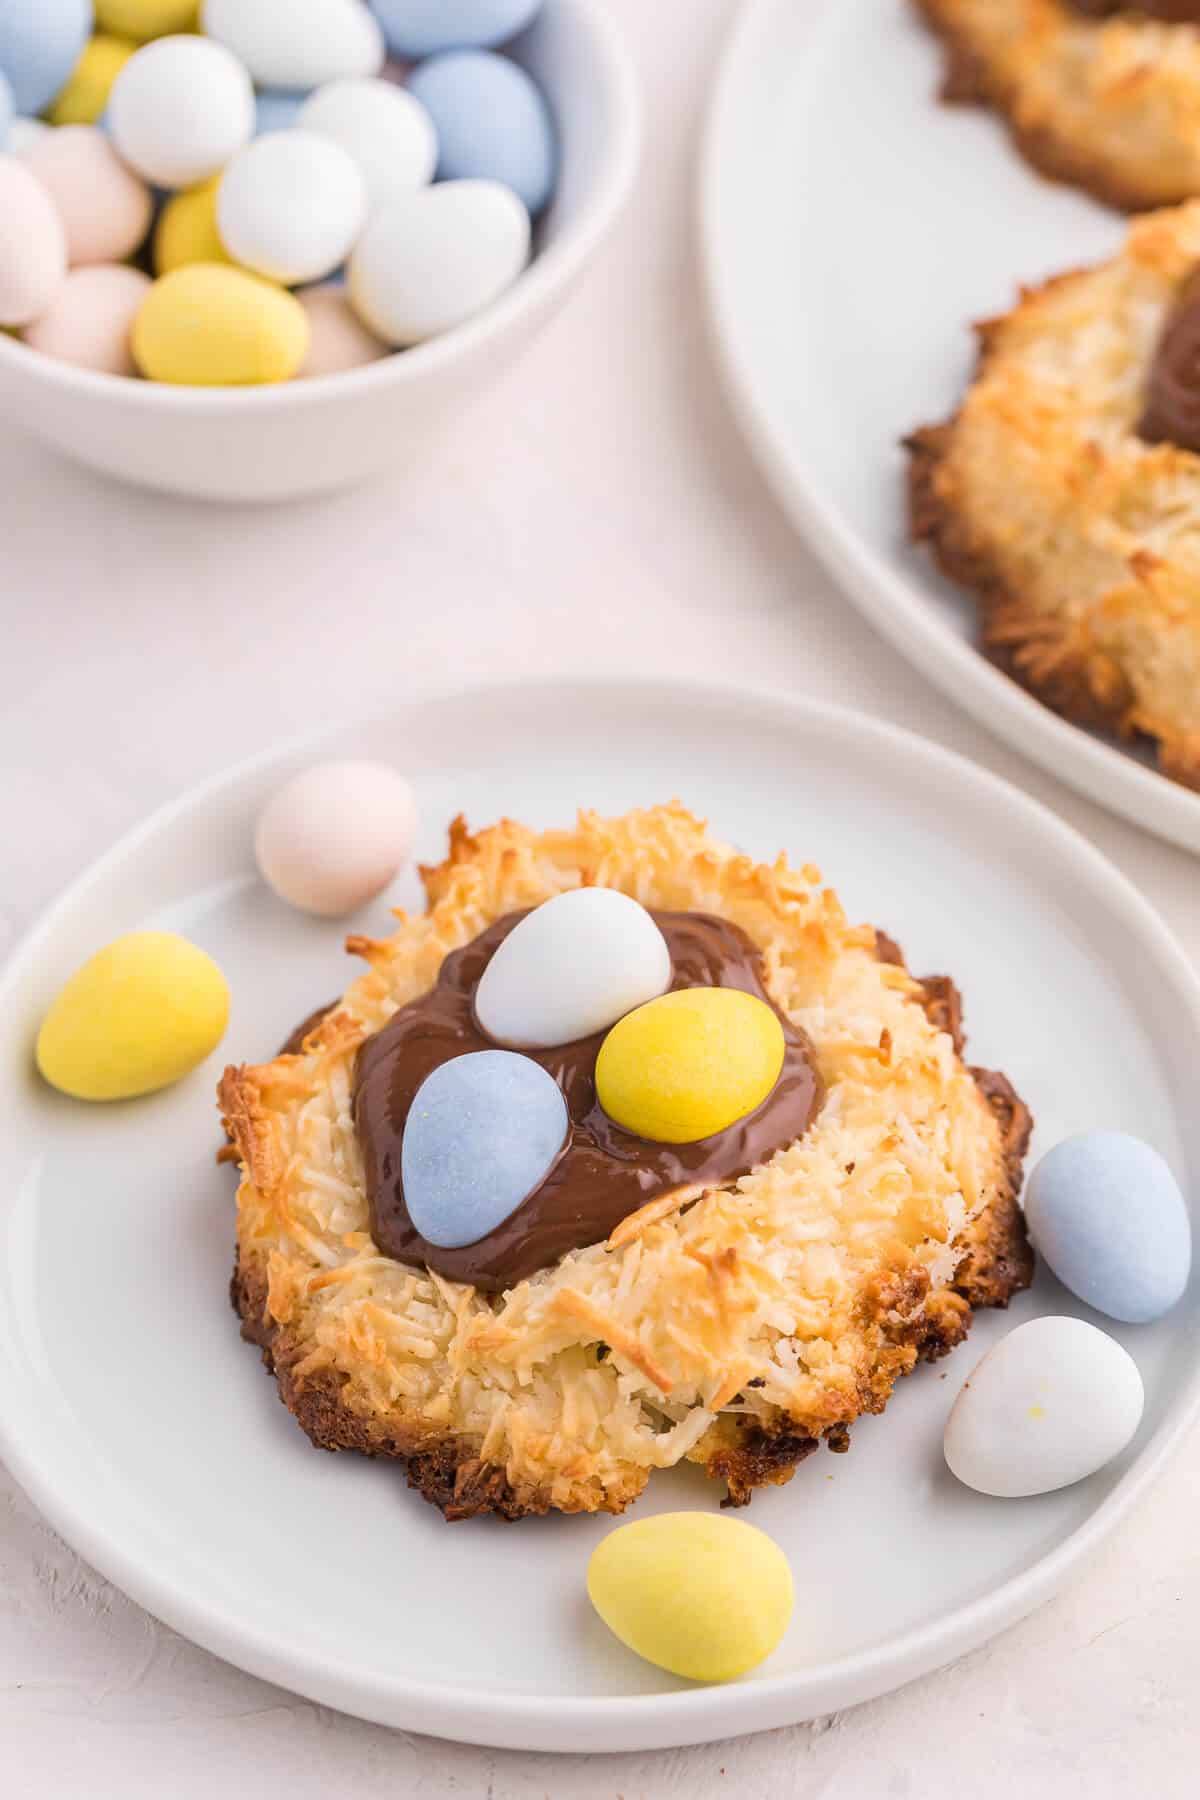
497	1717
892	602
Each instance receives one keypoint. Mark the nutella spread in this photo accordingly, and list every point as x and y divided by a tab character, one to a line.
1172	414
603	1173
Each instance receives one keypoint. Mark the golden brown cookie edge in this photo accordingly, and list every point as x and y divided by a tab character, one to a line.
1014	634
968	81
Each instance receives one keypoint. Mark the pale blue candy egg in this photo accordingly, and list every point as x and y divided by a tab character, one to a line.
422	27
482	1133
276	109
40	43
1106	1212
492	121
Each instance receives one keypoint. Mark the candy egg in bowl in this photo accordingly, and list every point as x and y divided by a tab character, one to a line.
325	384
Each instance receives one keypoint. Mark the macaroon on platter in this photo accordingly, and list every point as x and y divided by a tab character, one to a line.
990	1473
243	192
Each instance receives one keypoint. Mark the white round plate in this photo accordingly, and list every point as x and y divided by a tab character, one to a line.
153	1440
852	228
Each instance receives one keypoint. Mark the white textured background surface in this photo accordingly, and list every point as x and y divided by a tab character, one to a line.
600	511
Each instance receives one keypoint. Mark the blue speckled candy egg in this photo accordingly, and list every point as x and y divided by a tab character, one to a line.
483	1132
1106	1212
40	43
492	121
276	109
415	28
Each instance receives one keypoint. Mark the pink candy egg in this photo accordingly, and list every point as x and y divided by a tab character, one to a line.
90	319
104	208
335	835
33	250
340	340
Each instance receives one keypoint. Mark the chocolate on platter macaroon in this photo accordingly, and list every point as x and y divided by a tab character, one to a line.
1065	491
1104	94
713	1213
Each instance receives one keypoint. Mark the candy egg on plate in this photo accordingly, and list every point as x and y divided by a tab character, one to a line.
340	340
572	967
492	122
291	206
336	835
187	229
1106	1213
483	1132
90	320
137	1016
421	27
700	1594
210	326
690	1064
83	100
142	20
433	259
387	132
33	245
1047	1406
40	43
297	43
179	109
104	208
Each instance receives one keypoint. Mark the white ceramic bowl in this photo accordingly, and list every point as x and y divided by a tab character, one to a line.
307	436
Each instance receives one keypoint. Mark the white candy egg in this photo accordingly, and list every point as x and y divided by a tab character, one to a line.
33	245
387	132
179	109
572	967
1048	1405
433	259
335	836
298	43
291	206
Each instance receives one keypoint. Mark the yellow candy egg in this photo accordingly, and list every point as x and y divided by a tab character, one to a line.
187	230
83	100
146	19
699	1594
139	1015
207	326
689	1064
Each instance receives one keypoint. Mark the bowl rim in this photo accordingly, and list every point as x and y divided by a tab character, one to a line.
552	269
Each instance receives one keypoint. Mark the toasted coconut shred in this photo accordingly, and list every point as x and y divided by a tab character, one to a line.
733	1327
1078	538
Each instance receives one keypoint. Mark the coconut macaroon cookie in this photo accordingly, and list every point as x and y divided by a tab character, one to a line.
1104	94
1065	492
731	1300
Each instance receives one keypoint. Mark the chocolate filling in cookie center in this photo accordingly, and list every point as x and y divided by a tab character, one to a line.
1172	414
1167	12
603	1173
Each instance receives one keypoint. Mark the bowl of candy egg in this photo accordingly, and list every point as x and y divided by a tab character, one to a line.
254	249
